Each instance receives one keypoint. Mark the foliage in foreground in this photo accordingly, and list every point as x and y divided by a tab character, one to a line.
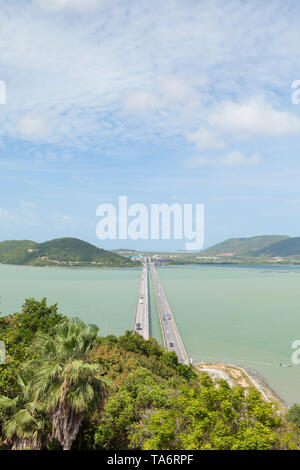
294	415
64	386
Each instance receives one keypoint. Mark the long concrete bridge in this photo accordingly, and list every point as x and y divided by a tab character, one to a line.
171	335
141	320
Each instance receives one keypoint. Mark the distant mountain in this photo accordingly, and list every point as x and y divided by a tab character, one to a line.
244	246
124	250
285	248
61	251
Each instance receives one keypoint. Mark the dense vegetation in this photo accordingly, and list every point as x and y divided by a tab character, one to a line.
16	251
289	247
294	415
258	247
60	250
244	246
64	386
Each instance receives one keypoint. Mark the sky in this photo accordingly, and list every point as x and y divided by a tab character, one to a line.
164	101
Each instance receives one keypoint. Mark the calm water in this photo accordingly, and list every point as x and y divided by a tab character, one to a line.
106	297
244	315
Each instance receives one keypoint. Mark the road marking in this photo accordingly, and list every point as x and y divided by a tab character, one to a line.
164	308
142	308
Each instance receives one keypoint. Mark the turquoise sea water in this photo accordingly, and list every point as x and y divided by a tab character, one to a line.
106	297
242	315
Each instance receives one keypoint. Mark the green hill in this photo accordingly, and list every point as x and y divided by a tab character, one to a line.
243	246
285	248
15	251
58	251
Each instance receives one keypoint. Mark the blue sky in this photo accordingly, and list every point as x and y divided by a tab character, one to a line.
164	102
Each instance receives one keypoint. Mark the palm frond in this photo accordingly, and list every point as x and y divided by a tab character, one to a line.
8	403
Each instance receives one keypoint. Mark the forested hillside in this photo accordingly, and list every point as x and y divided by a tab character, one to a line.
285	248
58	251
118	393
16	251
243	246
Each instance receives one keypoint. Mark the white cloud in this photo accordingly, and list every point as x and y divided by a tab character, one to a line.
3	213
174	89
25	205
75	71
139	101
32	127
63	220
231	159
205	139
7	219
255	117
70	5
169	94
28	213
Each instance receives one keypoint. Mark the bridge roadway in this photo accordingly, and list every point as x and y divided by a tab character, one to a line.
141	321
171	335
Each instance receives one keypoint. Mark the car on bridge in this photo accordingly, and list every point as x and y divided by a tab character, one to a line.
138	326
171	345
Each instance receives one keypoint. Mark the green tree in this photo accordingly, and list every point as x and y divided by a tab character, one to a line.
62	379
294	415
207	416
137	396
22	422
18	332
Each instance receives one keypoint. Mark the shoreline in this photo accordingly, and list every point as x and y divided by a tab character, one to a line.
228	263
262	264
66	266
243	377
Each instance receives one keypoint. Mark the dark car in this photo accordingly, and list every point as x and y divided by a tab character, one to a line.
171	345
138	326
